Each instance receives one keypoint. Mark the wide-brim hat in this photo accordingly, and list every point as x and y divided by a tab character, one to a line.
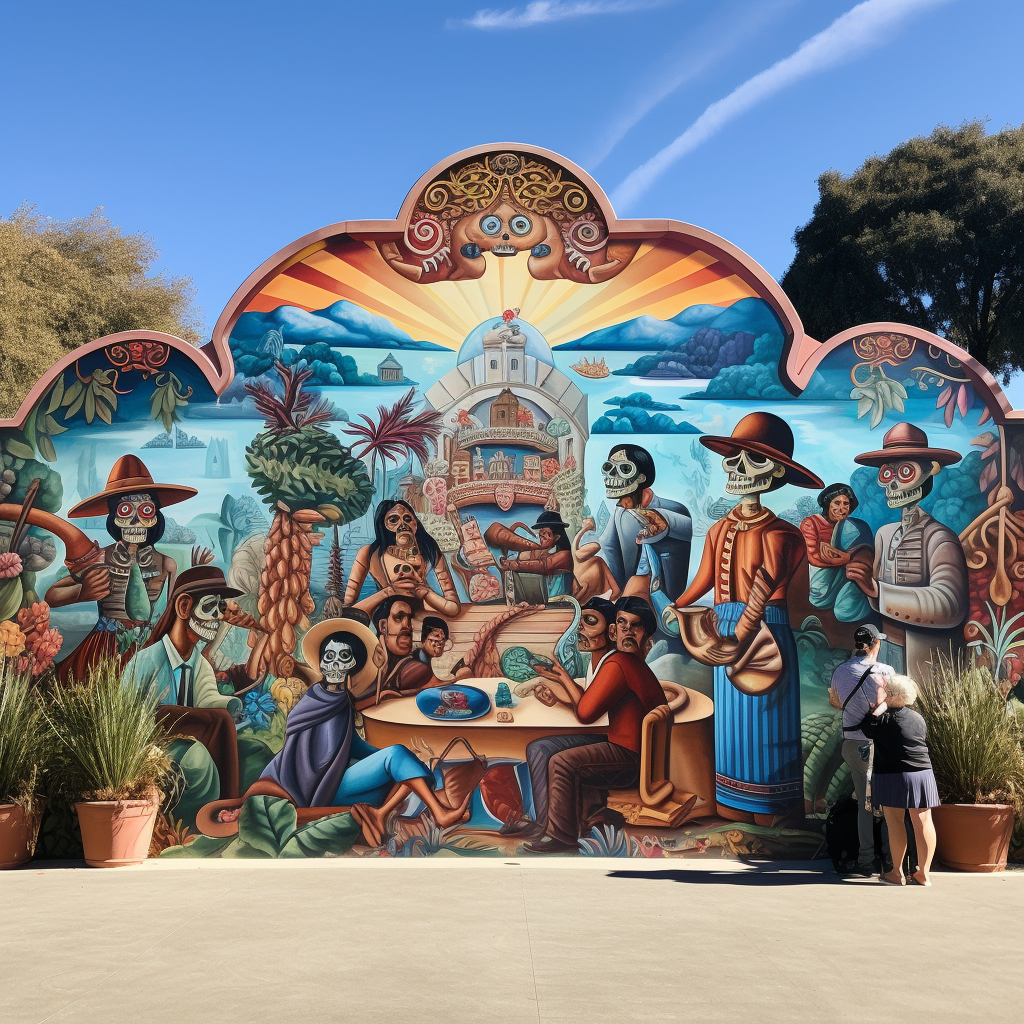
316	635
765	434
549	519
130	475
905	441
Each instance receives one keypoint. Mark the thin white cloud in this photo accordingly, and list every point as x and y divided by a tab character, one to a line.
702	52
865	26
543	12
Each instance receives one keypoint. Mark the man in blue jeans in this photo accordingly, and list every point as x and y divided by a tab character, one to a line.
857	684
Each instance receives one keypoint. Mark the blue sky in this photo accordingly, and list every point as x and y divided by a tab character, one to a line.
228	129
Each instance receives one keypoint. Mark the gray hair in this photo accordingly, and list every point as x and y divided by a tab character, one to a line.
902	688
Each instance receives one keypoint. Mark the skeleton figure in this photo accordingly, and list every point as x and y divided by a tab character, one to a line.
336	662
207	615
750	474
621	475
135	516
918	581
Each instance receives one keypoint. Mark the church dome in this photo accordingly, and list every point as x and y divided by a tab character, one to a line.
536	345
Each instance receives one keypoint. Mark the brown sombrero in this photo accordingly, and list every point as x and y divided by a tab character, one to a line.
768	435
905	441
130	475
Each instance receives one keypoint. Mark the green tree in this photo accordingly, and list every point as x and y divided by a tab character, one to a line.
932	234
63	283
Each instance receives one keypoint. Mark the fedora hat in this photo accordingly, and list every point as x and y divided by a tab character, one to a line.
316	635
130	475
203	579
765	434
550	519
905	441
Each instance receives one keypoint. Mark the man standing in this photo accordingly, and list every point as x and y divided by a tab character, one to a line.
597	618
625	689
628	481
858	685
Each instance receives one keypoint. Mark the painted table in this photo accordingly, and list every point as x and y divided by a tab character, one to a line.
400	721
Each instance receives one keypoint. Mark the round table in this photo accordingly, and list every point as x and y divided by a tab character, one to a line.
692	765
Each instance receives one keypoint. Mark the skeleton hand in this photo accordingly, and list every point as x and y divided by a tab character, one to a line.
95	583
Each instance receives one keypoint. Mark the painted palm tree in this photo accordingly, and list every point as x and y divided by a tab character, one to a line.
305	475
398	432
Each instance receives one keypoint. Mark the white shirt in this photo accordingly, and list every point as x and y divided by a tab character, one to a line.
593	669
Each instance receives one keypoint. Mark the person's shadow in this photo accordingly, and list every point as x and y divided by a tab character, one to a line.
775	874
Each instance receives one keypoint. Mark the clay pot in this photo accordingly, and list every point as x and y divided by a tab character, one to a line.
116	833
15	836
973	837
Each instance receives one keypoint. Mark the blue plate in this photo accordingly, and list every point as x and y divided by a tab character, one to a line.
455	703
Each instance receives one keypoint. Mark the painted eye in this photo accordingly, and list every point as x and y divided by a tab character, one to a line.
490	225
906	471
886	474
147	510
520	224
124	510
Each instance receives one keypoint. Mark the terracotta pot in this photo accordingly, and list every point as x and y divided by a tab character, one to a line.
116	832
973	837
15	836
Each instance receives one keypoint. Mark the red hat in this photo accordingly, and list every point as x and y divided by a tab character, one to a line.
130	475
768	435
905	441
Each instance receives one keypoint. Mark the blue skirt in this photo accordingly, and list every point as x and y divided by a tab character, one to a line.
758	755
904	789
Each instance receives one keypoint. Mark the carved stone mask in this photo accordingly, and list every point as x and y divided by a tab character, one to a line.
135	515
750	473
621	477
904	482
206	616
337	661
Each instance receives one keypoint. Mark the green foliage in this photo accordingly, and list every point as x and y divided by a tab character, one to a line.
19	472
826	775
107	745
306	468
974	739
201	846
41	427
23	736
268	824
929	234
168	397
63	283
92	396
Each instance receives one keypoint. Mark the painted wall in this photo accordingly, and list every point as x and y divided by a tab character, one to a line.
378	679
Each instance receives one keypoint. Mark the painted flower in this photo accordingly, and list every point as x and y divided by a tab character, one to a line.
43	647
12	640
10	565
260	708
35	618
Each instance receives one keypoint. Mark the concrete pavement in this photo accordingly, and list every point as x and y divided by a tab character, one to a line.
471	941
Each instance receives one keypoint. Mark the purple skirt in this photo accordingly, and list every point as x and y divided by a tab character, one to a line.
904	789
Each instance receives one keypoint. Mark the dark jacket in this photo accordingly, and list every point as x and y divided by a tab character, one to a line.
900	737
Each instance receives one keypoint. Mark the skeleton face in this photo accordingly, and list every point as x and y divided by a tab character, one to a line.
502	229
135	515
621	477
337	661
402	523
904	481
750	473
403	572
206	616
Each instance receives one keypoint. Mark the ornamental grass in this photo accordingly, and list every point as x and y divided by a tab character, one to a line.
24	738
107	745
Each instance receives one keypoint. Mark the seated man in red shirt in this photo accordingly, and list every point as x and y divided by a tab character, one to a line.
624	688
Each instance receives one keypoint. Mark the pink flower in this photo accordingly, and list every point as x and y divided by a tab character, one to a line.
10	565
43	648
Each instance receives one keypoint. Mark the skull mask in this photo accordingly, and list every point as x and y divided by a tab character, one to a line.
750	473
135	515
206	616
621	476
905	482
336	661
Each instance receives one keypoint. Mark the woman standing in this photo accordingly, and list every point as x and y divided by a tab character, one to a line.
903	779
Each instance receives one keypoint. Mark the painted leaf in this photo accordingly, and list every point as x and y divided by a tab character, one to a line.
267	823
19	449
985	416
73	408
501	794
46	448
863	407
990	450
90	405
334	834
51	426
876	415
962	400
898	388
56	394
201	846
137	604
103	411
73	393
948	415
943	397
984	440
987	476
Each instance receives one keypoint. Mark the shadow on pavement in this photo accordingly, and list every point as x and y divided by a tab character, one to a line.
758	877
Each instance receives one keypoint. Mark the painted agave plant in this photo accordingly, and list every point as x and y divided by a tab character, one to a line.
305	474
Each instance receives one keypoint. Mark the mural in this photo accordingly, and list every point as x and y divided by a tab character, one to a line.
505	528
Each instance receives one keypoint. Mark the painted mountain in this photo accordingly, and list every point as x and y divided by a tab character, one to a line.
342	324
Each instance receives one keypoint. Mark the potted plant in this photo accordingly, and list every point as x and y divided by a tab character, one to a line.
110	758
976	749
22	745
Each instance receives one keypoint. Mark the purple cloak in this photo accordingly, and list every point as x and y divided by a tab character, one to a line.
317	747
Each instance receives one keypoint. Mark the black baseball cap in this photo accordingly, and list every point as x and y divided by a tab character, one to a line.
866	635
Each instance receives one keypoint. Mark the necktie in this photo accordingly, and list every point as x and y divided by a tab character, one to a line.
185	686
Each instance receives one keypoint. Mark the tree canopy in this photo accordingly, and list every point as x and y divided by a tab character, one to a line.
932	234
63	283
